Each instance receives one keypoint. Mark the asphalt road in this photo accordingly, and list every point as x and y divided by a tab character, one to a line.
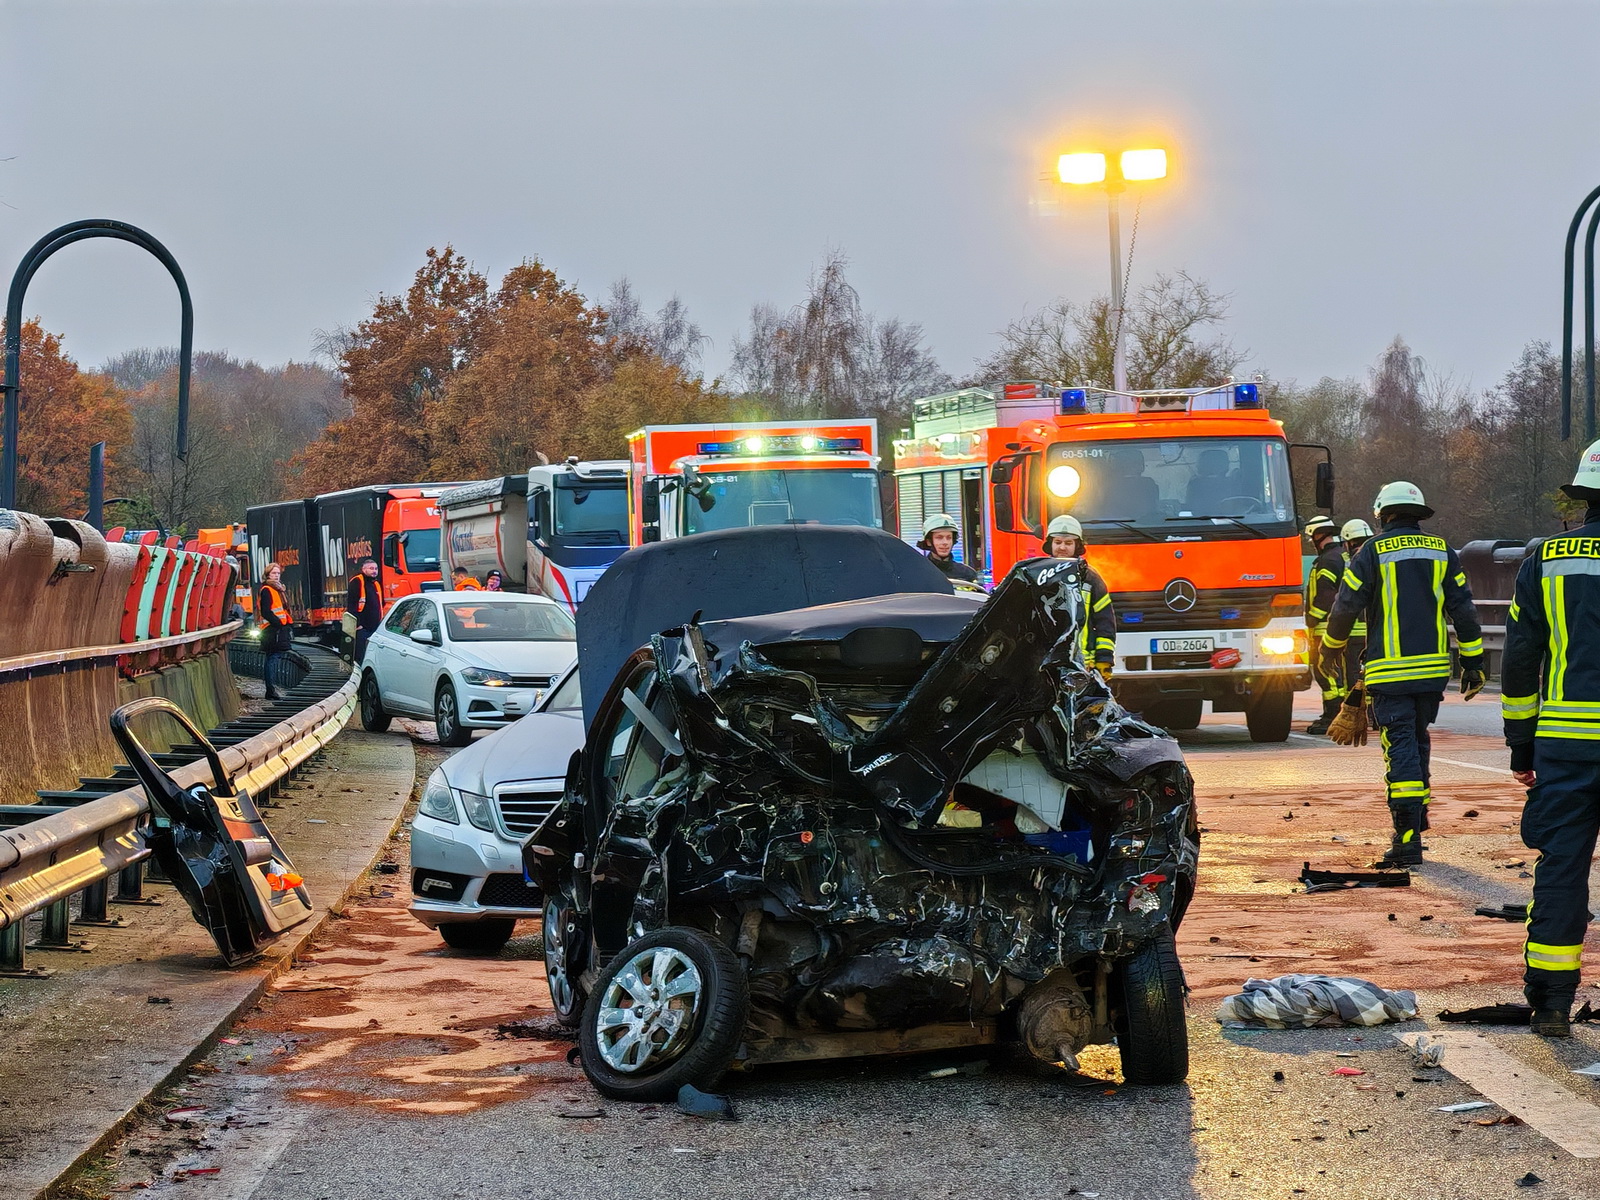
389	1067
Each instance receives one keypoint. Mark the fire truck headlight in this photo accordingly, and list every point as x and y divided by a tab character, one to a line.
1278	645
808	443
752	445
1064	482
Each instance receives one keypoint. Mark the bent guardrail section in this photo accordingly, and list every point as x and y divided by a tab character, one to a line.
46	861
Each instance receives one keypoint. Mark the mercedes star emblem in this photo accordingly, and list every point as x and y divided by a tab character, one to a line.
1180	595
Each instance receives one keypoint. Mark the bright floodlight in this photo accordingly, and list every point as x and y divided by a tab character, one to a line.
1082	168
1063	482
753	445
1144	164
808	442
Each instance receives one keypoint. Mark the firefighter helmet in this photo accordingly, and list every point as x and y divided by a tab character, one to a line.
1321	525
1355	528
1401	494
1065	526
935	523
1585	483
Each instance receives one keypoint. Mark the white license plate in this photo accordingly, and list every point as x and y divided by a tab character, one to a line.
1180	645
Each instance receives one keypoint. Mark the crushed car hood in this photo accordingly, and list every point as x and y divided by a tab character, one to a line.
735	573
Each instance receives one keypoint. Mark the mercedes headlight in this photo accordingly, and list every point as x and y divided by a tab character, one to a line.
486	678
478	810
1063	482
438	801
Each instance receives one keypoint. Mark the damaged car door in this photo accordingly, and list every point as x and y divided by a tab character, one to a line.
212	843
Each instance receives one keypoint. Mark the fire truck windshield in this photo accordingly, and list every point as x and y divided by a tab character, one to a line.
590	515
799	496
1205	487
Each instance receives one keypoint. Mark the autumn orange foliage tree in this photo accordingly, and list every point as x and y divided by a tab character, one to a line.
453	380
63	412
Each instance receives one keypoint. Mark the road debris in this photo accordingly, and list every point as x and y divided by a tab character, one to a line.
706	1105
1506	912
1347	1071
581	1114
1510	1014
1466	1106
1304	1001
1592	1070
1339	881
1529	1180
1426	1052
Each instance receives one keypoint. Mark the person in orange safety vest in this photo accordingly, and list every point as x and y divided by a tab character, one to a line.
276	626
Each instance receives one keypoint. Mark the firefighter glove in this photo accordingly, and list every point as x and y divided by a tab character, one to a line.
1349	728
1330	661
1105	670
1472	677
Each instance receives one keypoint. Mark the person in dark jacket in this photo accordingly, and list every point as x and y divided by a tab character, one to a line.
1406	583
1321	588
276	626
364	602
1550	700
939	537
1098	637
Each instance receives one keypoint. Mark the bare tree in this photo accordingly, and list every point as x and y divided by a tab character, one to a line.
1072	343
827	357
670	335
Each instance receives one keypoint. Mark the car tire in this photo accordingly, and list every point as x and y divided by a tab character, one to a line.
565	943
1269	715
696	1049
478	937
374	717
1152	1030
1176	714
447	717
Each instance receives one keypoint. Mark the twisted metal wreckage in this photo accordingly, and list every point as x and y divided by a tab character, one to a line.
901	822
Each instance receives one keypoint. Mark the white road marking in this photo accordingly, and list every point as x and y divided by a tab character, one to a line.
1567	1119
1456	762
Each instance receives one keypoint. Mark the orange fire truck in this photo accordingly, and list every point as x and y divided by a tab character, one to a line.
1188	504
686	479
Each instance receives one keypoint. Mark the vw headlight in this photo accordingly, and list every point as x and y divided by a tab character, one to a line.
486	678
437	800
1278	645
478	810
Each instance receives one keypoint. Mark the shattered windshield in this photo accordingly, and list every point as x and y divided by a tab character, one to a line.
1190	487
821	496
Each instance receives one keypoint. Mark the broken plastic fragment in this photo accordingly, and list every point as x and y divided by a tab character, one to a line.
1467	1106
1592	1070
695	1103
1529	1180
1347	1071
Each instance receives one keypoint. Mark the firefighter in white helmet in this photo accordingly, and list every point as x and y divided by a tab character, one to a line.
1321	587
1098	637
1550	699
1406	582
939	537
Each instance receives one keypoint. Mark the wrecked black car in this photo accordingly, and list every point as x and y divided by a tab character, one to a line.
898	819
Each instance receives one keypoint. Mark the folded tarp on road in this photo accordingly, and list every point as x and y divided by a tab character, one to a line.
1304	1001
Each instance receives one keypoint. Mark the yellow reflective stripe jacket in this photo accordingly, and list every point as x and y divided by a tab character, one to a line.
1406	584
1551	668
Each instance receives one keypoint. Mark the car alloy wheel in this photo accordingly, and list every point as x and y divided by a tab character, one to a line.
447	718
647	1012
562	943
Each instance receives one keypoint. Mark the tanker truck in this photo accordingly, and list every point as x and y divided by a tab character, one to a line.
550	532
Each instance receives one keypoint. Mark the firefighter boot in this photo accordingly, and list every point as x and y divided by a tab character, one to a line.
1330	710
1406	847
1551	1022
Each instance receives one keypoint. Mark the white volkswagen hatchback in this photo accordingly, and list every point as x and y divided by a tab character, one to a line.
465	660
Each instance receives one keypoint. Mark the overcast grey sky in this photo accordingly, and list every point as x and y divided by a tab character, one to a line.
1345	171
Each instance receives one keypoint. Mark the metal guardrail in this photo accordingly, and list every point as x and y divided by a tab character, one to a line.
53	658
46	861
